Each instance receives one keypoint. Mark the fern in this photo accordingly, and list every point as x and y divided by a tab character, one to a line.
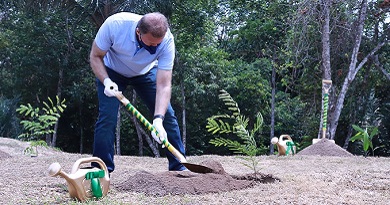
234	122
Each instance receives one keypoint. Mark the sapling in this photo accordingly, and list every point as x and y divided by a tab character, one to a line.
236	123
39	122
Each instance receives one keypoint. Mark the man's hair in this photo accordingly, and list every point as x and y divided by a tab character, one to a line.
153	23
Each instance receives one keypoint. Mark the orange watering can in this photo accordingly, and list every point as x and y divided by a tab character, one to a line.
82	183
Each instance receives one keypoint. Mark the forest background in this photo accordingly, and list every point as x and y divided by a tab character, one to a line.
270	56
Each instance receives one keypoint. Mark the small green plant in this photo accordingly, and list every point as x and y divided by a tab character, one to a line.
32	150
365	138
39	122
237	124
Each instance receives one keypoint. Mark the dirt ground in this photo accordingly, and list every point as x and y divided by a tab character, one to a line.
322	173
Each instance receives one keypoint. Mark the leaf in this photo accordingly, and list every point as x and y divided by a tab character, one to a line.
366	141
374	132
357	128
357	136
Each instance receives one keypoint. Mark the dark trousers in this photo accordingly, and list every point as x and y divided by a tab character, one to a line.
105	128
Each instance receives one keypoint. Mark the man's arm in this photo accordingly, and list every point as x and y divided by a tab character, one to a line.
96	62
163	91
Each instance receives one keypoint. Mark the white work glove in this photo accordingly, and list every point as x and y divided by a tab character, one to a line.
110	87
158	124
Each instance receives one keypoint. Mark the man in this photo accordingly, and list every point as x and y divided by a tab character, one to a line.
139	51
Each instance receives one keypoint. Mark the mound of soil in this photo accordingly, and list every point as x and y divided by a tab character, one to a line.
325	147
186	182
4	155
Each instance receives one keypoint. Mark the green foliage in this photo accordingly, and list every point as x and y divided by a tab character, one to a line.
237	124
365	137
32	150
40	121
231	44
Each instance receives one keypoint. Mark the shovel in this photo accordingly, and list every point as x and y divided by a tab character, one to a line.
326	84
192	167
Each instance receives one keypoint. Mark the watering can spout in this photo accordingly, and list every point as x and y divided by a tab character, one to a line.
55	170
84	183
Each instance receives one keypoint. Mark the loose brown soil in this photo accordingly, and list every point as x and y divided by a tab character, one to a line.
173	183
322	173
325	147
186	182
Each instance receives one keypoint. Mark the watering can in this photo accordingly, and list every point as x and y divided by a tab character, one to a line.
285	145
85	183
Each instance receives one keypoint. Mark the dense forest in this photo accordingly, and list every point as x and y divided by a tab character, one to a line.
270	56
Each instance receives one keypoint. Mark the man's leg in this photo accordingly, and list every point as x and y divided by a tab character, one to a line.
145	86
105	127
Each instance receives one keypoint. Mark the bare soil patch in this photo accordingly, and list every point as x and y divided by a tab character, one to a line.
300	179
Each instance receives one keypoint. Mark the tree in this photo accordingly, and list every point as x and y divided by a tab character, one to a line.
347	46
353	68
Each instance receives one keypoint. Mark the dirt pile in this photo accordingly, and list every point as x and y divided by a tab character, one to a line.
179	183
325	147
186	182
4	155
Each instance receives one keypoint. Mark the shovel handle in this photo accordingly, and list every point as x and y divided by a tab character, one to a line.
326	84
149	126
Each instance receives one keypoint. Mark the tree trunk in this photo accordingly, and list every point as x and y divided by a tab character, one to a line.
183	102
352	71
137	128
59	93
183	98
380	67
118	133
100	14
272	133
325	38
81	127
140	132
153	145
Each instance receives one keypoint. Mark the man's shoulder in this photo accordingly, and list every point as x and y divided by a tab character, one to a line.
124	16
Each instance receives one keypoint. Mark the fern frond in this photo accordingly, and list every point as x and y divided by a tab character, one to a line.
51	101
47	108
247	146
218	126
258	125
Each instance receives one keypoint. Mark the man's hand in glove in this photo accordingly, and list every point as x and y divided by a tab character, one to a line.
158	124
110	87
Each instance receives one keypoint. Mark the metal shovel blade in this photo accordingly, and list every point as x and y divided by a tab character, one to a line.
197	168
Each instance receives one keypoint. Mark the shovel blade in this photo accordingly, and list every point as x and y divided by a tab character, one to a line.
198	168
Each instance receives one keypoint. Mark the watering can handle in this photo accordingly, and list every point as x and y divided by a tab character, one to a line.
77	164
281	138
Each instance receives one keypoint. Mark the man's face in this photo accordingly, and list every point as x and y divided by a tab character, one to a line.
148	42
148	39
